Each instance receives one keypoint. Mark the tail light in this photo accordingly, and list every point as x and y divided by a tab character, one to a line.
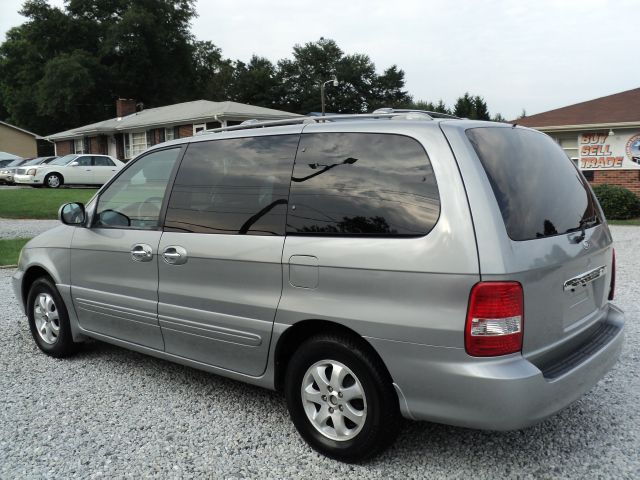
612	286
494	319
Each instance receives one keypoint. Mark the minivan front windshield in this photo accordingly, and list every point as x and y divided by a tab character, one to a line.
64	160
538	188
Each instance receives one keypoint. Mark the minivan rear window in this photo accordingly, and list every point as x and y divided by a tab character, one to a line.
538	189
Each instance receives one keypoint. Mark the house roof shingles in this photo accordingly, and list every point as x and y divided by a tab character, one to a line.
620	107
197	110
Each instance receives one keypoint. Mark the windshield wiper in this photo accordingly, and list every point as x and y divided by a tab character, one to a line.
582	226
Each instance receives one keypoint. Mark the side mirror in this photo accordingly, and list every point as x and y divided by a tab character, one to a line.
72	214
112	218
73	164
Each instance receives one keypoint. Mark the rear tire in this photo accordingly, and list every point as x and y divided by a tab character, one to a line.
53	180
49	320
340	398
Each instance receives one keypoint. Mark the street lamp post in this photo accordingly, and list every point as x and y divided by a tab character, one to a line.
335	84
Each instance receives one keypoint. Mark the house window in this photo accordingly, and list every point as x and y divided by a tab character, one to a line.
135	143
78	145
570	146
169	134
199	127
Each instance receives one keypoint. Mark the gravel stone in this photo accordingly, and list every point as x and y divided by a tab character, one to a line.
112	413
12	228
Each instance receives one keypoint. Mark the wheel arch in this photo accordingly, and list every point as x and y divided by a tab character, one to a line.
296	334
31	275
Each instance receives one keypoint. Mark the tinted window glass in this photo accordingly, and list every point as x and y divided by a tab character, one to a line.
83	161
102	162
539	191
64	160
362	184
235	186
134	199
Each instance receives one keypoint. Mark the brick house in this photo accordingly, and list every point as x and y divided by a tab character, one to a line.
133	130
602	136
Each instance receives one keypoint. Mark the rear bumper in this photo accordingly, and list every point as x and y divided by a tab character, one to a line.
446	385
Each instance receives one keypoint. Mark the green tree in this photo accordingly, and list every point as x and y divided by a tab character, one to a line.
256	83
439	107
213	73
473	107
65	67
71	83
360	89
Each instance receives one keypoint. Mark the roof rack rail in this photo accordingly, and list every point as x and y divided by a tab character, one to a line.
377	114
412	110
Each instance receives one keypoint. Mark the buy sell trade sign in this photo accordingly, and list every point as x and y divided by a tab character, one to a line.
600	151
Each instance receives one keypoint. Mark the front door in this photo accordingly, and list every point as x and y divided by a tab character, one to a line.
220	254
80	172
114	263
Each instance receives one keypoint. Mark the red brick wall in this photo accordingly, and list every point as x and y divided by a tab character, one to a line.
125	106
629	179
158	135
185	131
98	145
64	148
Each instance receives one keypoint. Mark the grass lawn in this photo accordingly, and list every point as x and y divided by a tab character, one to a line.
39	202
632	221
10	249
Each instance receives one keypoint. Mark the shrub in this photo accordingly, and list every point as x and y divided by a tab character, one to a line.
618	203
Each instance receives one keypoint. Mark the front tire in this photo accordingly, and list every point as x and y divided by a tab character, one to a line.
340	398
49	320
53	180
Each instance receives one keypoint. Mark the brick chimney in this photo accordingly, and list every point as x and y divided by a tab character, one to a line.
125	106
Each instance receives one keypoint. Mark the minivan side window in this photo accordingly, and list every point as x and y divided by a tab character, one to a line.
134	199
235	186
364	184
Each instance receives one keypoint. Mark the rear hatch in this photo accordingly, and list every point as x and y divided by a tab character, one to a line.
555	241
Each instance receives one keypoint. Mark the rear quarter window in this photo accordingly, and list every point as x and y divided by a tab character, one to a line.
362	184
539	191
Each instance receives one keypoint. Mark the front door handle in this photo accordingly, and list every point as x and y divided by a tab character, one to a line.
141	252
174	255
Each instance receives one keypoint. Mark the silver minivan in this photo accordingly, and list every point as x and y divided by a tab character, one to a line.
367	266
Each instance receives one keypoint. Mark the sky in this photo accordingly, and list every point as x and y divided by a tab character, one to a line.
535	55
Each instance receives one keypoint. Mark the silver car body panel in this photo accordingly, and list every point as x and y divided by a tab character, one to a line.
218	307
228	306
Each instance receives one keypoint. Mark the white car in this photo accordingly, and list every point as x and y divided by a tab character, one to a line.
85	169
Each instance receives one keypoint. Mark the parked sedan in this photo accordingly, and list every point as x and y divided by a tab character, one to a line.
5	161
7	172
72	169
8	156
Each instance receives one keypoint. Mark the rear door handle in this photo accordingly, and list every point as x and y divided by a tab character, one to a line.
141	252
174	255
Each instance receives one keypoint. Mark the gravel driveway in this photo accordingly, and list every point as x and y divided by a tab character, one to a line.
111	413
12	228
